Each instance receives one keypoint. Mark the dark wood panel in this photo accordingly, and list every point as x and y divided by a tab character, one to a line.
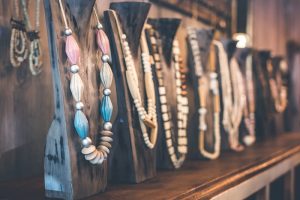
197	179
26	104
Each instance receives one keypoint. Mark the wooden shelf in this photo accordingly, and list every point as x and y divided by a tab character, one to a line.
197	179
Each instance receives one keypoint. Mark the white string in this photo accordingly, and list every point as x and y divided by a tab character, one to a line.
63	14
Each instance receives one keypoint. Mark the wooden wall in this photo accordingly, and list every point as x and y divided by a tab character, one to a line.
25	105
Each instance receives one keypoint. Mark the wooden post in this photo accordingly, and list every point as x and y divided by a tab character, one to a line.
67	174
131	160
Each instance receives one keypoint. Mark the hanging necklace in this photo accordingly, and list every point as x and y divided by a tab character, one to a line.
233	96
278	89
18	47
91	153
164	106
204	87
249	111
35	51
146	119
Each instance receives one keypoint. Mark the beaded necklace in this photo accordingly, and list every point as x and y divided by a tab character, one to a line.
18	48
91	153
278	89
147	119
233	96
249	111
164	107
35	50
204	87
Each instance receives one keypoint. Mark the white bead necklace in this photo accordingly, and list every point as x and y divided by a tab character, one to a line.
18	46
249	111
182	103
146	118
204	86
231	82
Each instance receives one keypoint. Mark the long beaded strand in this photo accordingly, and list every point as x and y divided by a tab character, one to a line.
203	92
91	153
146	119
35	50
232	107
278	90
18	47
249	111
166	115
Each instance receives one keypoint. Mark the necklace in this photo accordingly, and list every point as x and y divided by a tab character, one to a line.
182	103
35	50
18	48
278	90
91	153
249	111
233	96
204	87
146	119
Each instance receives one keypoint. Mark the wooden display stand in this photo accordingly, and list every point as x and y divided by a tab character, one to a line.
131	160
166	28
262	91
67	174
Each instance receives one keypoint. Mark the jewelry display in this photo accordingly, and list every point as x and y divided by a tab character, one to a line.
205	87
35	50
249	111
233	95
91	153
18	46
182	108
147	119
278	89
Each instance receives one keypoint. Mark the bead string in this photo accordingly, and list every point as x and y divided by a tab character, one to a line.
278	90
18	46
249	111
91	153
146	119
35	51
205	86
232	86
168	128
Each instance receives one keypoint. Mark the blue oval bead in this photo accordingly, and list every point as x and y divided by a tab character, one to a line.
81	124
106	108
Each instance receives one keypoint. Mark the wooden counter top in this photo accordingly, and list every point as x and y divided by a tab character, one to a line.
197	179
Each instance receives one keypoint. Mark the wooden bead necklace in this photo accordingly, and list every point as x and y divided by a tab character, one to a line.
147	119
182	102
35	50
278	89
249	111
233	95
91	153
206	85
18	48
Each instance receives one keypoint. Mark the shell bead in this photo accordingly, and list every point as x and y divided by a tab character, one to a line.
103	42
76	87
72	50
106	108
74	69
106	92
81	124
106	75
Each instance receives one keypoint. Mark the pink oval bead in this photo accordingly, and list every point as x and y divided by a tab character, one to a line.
72	50
103	42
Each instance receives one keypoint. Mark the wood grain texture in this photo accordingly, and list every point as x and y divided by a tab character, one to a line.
131	160
67	174
196	180
26	104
